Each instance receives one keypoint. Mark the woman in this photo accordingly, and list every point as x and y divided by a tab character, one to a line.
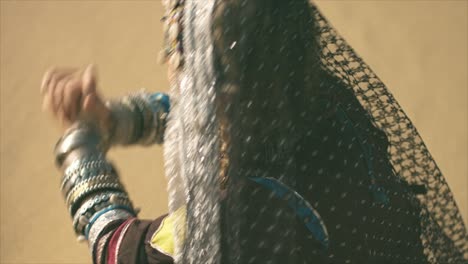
281	146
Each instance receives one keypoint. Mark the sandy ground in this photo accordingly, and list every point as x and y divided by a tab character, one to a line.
418	48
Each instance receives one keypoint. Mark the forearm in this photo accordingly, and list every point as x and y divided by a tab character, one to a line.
100	207
94	195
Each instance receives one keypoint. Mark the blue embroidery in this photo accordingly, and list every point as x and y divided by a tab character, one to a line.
303	209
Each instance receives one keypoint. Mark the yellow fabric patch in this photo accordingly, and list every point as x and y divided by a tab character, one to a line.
163	239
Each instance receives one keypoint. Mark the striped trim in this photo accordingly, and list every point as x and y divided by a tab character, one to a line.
116	240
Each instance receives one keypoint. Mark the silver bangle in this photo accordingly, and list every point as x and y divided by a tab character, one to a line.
124	116
94	195
76	137
143	114
74	201
95	204
136	121
97	178
104	221
157	109
85	171
139	118
76	164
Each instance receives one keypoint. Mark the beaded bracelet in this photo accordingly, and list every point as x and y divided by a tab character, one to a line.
85	171
92	186
102	212
76	164
103	222
95	204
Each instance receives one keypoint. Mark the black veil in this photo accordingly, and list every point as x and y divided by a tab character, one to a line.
284	147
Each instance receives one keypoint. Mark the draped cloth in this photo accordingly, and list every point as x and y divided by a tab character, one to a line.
283	146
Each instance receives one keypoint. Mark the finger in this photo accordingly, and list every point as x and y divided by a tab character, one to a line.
89	80
93	106
57	96
53	84
49	95
64	121
46	79
71	99
46	103
55	74
87	107
89	104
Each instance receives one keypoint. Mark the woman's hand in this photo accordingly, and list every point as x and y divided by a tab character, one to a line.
71	95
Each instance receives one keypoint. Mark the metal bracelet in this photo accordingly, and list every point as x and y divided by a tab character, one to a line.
139	118
91	202
104	220
125	120
90	184
138	121
84	219
143	116
149	125
102	212
161	107
82	185
93	186
82	136
95	204
76	164
78	193
157	107
86	171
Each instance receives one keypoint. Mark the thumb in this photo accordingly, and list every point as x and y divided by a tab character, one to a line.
89	78
95	108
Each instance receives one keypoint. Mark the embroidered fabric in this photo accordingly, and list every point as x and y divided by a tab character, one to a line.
311	134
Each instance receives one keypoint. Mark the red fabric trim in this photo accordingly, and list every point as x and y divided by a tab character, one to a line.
113	243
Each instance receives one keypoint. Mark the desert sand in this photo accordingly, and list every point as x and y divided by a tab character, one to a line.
418	48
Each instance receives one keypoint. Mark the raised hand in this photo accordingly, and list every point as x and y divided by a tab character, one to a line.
70	94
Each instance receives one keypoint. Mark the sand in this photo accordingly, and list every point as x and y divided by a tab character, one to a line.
418	48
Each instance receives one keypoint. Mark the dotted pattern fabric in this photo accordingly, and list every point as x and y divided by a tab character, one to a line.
295	103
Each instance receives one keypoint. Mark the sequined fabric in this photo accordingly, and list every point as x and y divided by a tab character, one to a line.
297	105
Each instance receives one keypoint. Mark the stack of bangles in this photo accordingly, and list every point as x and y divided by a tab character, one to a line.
95	197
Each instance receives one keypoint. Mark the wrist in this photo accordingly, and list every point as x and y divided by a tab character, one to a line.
137	119
94	195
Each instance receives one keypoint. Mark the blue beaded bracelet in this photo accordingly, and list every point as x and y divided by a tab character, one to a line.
103	211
